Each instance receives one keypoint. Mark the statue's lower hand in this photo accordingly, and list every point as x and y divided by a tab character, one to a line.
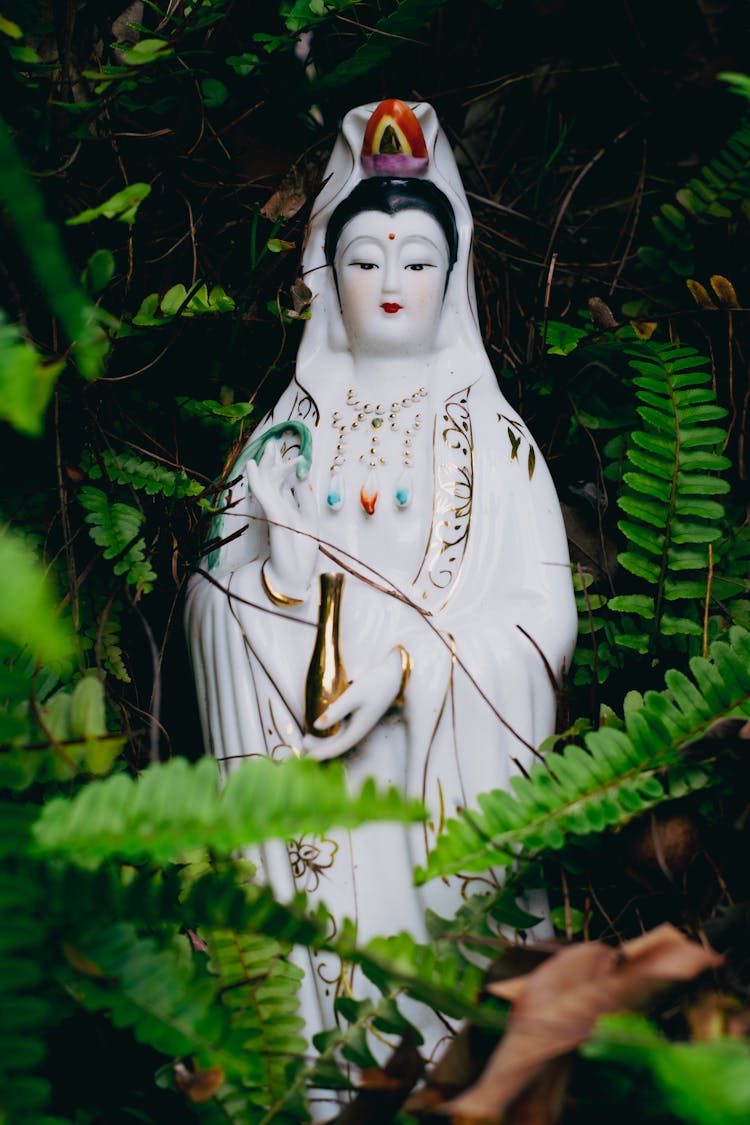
358	710
291	509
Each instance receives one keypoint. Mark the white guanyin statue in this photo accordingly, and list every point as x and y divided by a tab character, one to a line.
392	459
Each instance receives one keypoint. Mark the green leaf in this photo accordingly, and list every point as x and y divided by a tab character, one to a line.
177	807
685	531
407	18
637	642
209	410
658	466
214	92
703	461
580	792
99	271
682	558
173	300
562	339
649	486
639	566
696	485
26	381
684	588
259	992
698	1083
698	506
645	510
680	626
704	436
115	527
640	535
123	206
146	51
243	64
161	994
655	443
12	30
147	476
633	603
28	615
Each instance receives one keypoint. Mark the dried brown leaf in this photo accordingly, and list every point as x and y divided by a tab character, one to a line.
298	185
601	315
556	1007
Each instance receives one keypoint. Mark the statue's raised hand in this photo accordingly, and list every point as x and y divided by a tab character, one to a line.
291	509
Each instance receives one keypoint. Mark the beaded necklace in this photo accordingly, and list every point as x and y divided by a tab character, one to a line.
369	417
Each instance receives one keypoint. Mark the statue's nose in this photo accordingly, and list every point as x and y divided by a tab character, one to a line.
391	276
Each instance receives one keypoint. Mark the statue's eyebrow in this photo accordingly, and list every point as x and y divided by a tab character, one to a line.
346	246
425	239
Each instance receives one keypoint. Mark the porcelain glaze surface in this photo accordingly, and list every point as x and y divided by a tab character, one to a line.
425	489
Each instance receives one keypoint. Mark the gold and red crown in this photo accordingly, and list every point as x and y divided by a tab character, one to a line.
394	143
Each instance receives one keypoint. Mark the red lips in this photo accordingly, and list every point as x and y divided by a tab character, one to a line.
391	307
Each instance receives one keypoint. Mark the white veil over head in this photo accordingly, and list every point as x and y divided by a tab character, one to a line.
323	353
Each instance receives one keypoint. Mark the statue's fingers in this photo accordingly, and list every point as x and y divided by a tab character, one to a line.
321	749
337	710
254	479
295	465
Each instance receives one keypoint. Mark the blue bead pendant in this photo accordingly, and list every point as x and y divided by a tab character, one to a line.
403	490
335	494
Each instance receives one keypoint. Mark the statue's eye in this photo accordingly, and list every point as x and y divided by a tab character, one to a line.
418	266
365	265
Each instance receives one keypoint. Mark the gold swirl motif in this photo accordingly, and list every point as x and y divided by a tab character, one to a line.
310	856
304	406
451	504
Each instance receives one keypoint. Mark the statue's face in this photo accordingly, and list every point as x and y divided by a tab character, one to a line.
391	273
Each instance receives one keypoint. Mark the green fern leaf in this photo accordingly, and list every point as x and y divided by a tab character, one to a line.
671	499
115	527
258	989
147	476
163	995
716	194
580	792
176	807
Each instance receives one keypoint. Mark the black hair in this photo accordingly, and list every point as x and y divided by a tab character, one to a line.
390	195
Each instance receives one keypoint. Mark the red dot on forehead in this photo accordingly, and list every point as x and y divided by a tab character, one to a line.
391	236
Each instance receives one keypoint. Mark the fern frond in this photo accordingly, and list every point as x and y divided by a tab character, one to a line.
176	807
162	995
115	527
258	988
669	495
724	182
583	791
715	194
150	477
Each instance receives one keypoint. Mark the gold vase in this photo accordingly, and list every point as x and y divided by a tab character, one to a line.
326	676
